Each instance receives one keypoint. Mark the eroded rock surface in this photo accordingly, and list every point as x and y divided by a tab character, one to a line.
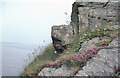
89	44
103	63
90	13
86	14
62	71
62	36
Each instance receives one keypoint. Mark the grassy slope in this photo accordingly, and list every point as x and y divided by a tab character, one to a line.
48	55
39	62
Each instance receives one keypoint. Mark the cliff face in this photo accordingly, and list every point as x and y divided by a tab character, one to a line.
88	46
88	15
85	15
101	65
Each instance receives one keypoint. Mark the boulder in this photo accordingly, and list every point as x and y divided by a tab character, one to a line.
62	71
62	36
47	72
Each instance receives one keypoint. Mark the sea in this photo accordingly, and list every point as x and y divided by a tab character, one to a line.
15	56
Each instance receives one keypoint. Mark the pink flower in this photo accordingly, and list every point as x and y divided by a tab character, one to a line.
81	64
92	56
81	58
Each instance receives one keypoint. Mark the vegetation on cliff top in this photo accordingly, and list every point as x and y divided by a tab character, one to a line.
49	57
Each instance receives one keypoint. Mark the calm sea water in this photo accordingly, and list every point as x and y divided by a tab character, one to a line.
13	58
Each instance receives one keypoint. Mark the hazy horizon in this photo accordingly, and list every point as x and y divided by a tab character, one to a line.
30	21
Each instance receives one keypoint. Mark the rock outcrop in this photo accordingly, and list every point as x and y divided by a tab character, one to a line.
91	13
103	63
86	14
63	71
62	36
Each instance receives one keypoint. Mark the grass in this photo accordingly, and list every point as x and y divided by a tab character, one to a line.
77	60
89	34
107	31
112	34
48	55
38	63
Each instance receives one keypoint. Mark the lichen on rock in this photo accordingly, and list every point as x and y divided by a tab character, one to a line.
63	71
61	36
103	63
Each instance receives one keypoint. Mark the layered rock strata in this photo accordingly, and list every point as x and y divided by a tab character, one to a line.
85	15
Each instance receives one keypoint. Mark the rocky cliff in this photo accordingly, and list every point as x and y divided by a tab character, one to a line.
87	15
90	14
101	65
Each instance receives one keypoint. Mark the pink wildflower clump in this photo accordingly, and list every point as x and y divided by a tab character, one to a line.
117	70
81	58
58	63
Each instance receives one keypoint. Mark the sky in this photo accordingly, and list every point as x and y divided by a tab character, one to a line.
30	21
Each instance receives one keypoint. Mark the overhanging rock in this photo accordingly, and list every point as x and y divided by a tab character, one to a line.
62	36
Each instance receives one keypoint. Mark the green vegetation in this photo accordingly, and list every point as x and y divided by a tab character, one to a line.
78	60
38	63
49	56
101	31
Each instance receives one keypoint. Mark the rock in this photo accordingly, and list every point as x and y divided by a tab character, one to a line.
116	26
90	13
62	71
85	14
47	72
62	36
103	63
115	42
74	17
96	0
89	44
